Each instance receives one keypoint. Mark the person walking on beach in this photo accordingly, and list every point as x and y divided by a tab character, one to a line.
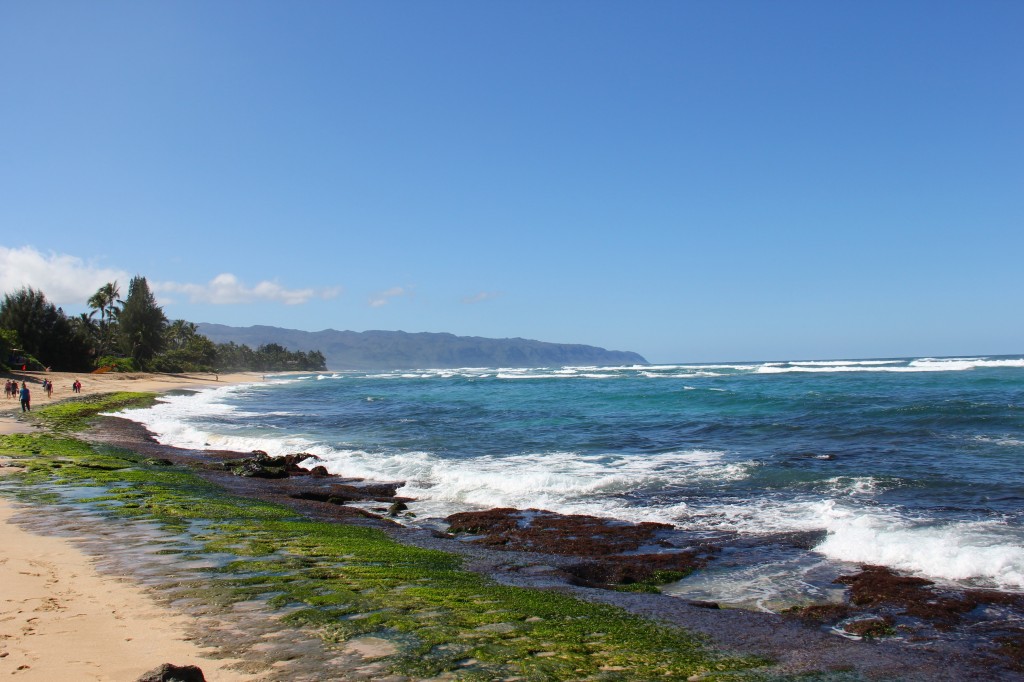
26	398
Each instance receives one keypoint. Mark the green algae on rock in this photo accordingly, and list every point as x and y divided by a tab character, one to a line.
74	414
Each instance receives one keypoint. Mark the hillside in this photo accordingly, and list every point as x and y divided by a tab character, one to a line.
402	350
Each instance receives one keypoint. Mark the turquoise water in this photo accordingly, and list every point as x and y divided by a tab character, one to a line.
911	463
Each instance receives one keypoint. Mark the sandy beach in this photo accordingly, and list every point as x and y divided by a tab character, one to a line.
113	381
60	619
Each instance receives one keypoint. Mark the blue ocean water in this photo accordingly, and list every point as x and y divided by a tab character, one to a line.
911	463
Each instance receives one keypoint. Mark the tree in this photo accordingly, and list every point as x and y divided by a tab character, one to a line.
180	333
106	302
44	330
141	323
8	342
186	349
271	357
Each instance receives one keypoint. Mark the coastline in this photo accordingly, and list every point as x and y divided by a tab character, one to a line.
95	384
63	619
794	646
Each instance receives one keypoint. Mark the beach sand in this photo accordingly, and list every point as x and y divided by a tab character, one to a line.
59	618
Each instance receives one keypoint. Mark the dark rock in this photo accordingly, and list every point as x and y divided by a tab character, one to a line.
397	507
872	627
324	496
155	461
605	543
173	673
339	493
700	604
878	585
543	531
1012	647
291	463
376	490
254	469
820	613
262	465
635	568
319	471
801	539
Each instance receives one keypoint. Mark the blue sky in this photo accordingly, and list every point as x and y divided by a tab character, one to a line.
694	181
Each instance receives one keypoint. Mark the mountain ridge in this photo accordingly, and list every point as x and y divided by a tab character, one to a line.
380	349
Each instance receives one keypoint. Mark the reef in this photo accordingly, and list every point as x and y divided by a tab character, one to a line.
611	551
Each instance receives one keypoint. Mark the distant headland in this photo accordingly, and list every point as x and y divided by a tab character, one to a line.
403	350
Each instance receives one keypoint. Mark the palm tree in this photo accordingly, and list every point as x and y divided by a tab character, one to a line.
87	329
180	333
85	321
106	301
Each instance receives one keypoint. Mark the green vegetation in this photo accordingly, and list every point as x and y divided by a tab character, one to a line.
347	581
142	323
269	357
131	335
74	414
44	331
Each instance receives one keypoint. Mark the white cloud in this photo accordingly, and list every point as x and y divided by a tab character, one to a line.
481	297
66	280
69	280
226	289
384	297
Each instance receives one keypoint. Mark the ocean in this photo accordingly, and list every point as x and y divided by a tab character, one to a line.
915	464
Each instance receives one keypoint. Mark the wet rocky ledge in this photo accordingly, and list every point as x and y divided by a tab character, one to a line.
880	603
911	625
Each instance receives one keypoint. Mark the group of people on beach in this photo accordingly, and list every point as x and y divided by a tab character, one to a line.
11	390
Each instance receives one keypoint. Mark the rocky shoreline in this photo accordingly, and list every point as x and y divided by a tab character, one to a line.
894	627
